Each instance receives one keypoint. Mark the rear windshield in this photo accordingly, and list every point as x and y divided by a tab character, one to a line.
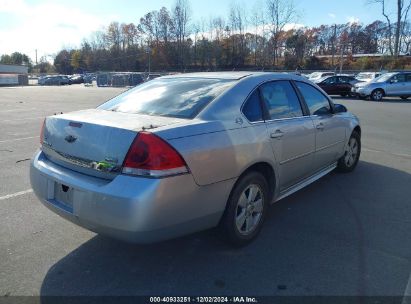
176	97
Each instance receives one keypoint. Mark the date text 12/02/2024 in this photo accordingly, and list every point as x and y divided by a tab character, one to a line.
203	300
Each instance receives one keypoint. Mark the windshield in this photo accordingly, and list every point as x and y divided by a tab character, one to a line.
177	97
384	77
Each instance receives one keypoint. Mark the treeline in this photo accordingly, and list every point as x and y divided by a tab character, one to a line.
248	38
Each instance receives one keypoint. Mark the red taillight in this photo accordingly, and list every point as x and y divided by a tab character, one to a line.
42	132
149	155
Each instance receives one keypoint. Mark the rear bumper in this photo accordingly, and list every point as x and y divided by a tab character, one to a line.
130	208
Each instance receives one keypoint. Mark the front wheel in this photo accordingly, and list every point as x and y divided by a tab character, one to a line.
404	97
349	160
377	95
246	209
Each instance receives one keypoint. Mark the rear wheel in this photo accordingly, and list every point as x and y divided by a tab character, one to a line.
349	160
377	95
404	97
246	209
343	94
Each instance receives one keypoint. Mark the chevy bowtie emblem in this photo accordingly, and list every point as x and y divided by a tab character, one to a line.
70	138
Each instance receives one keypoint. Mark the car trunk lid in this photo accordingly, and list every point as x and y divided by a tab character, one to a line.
95	142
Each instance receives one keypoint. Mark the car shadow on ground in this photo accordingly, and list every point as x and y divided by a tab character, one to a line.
346	234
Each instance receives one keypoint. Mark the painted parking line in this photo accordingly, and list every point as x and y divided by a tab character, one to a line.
15	194
386	152
31	118
17	110
17	139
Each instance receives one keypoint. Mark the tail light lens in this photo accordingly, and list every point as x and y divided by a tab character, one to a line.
151	156
42	132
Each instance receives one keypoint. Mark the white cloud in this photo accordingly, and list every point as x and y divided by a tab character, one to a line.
331	15
47	27
353	19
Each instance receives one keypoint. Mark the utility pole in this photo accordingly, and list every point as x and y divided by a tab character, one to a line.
341	57
36	56
333	45
148	51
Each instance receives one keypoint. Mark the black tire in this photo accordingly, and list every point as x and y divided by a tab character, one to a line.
404	97
343	164
343	94
362	97
377	95
228	223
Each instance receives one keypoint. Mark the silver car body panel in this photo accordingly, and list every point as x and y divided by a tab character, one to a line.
218	146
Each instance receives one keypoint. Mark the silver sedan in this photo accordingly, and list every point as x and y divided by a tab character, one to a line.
185	153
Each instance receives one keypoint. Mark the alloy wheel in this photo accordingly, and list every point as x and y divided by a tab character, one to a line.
249	209
351	152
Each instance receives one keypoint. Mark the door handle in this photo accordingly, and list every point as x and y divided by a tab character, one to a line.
320	126
277	134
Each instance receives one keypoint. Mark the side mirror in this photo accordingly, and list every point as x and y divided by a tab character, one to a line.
339	108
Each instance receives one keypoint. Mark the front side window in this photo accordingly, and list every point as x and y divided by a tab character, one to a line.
331	80
281	100
343	79
317	103
173	97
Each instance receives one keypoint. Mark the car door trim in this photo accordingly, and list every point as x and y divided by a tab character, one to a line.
296	157
305	182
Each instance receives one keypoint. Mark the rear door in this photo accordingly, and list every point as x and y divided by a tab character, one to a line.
329	85
291	133
330	128
396	85
344	86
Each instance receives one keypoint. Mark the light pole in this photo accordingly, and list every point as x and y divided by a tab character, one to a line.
148	51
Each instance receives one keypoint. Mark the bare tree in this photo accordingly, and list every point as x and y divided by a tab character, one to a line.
181	18
258	22
403	7
238	23
280	13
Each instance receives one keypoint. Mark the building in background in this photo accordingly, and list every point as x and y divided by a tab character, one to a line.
13	75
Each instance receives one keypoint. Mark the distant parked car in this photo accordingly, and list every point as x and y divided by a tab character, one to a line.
76	79
152	76
389	84
42	80
318	75
367	76
56	80
336	85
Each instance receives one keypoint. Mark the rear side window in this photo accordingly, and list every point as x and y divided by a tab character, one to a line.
281	100
175	97
252	108
317	103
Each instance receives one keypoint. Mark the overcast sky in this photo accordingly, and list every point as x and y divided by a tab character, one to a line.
49	25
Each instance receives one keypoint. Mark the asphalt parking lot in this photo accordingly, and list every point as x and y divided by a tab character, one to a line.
346	234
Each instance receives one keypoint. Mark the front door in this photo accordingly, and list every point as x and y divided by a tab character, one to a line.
292	134
330	129
396	85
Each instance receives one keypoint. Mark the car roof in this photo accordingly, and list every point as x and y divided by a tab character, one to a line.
232	75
